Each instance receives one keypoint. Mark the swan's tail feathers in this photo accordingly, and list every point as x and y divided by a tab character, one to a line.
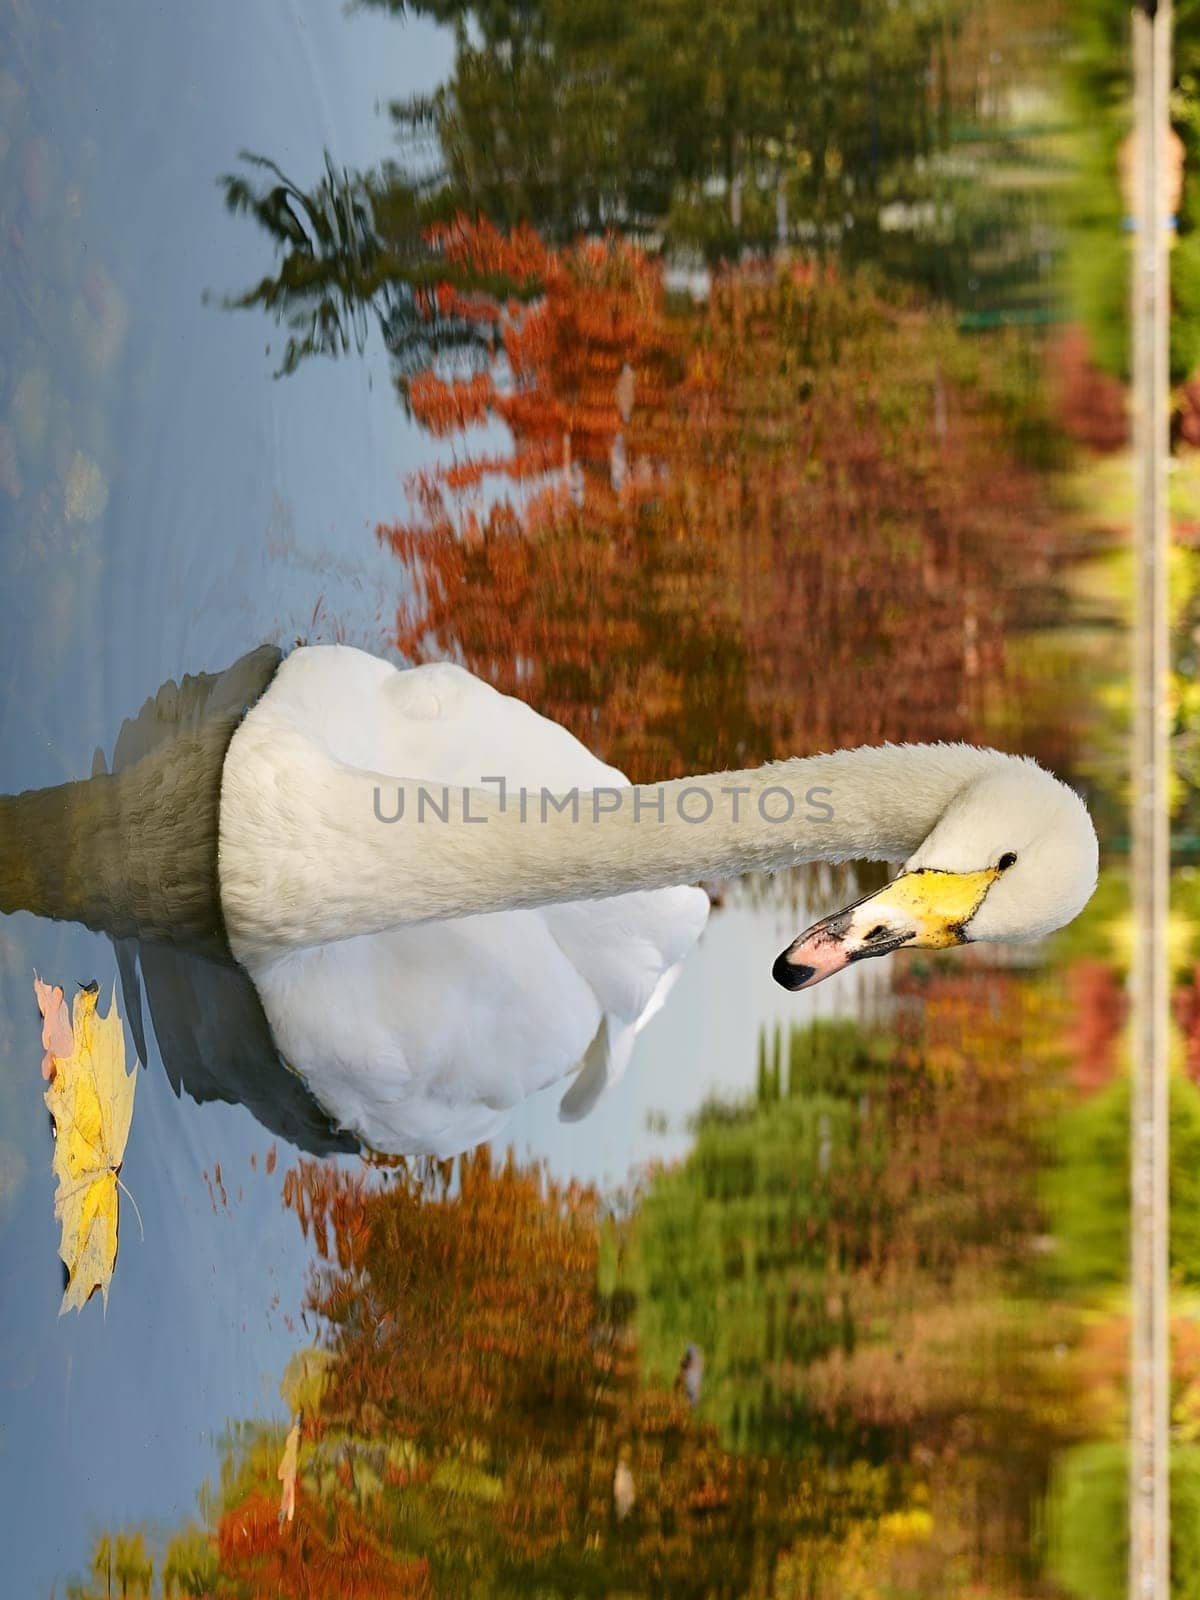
607	1057
659	998
610	1052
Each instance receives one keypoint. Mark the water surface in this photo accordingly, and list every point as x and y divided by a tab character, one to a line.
805	1317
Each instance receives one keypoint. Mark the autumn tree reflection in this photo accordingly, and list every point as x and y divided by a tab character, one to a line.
823	1354
857	1250
474	1353
661	518
722	130
887	134
668	548
353	255
121	1567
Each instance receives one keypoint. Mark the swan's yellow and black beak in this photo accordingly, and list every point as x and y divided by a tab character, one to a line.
923	910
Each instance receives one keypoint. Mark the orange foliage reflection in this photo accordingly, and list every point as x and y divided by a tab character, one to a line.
788	518
313	1557
464	1319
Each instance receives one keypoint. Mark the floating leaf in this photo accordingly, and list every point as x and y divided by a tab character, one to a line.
91	1100
57	1039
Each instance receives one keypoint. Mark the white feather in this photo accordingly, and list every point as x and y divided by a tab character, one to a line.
423	1039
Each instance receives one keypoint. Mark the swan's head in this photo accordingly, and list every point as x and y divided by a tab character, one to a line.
1013	857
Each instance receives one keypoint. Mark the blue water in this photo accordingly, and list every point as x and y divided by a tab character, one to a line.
166	504
239	509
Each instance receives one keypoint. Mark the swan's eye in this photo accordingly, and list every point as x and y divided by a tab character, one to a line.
877	932
1008	859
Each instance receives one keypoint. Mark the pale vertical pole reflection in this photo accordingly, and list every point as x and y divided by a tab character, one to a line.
1149	1466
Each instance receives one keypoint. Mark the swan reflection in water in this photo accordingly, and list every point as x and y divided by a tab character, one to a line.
380	907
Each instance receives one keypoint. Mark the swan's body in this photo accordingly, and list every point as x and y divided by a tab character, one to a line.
425	971
424	1038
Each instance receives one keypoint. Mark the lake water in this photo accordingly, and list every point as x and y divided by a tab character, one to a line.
734	1370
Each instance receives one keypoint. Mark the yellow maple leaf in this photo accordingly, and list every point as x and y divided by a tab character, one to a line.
91	1100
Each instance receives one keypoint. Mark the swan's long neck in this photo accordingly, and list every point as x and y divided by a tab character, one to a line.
327	851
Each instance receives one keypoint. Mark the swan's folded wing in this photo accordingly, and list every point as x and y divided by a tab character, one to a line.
628	949
609	1054
623	946
607	1057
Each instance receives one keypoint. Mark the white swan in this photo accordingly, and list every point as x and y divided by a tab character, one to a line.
422	975
423	1038
431	945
